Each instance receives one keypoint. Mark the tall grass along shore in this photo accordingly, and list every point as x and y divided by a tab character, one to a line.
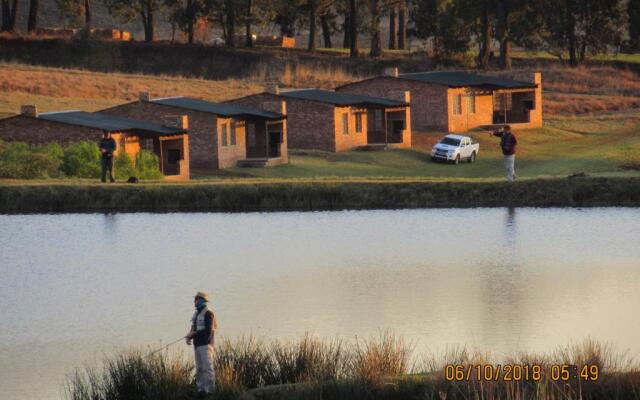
383	367
316	194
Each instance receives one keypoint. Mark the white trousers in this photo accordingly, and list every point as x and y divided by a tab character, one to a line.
509	164
205	376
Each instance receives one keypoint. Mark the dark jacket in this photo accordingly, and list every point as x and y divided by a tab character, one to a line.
508	142
109	145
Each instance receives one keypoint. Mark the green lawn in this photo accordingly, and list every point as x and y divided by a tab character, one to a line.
594	145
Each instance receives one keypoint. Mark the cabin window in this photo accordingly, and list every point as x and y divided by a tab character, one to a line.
358	122
224	132
471	103
232	138
457	104
345	123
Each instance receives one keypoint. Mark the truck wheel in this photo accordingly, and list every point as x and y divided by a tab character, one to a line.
473	157
457	160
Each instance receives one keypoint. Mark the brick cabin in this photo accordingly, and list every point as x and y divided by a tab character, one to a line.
220	135
333	121
460	101
169	142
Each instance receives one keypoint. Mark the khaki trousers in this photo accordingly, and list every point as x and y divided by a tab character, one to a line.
205	376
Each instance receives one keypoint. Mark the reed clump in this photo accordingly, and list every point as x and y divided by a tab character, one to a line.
383	367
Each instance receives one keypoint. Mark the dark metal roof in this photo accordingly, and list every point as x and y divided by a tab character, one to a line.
464	79
222	109
340	98
108	123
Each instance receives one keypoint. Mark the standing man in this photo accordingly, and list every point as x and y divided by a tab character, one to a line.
508	143
202	333
107	147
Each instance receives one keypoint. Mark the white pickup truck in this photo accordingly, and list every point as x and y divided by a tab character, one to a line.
455	148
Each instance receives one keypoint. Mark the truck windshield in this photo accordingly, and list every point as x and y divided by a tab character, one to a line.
450	141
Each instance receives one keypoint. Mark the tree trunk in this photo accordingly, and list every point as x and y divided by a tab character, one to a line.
392	27
248	41
231	23
353	29
87	15
12	15
571	35
505	41
32	23
346	41
190	22
326	31
148	22
6	15
633	12
376	45
485	49
313	10
402	26
505	53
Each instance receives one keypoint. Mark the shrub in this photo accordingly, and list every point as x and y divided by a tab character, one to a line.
245	363
309	360
133	376
82	160
21	161
374	359
148	165
123	166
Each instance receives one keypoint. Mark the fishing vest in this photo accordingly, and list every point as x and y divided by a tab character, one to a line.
199	322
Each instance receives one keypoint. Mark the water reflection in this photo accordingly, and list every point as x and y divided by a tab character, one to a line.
499	279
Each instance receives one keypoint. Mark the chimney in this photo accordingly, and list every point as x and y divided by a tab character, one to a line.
273	89
537	78
393	72
29	110
144	96
176	121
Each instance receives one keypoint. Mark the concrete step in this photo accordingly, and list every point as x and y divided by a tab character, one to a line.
374	147
253	163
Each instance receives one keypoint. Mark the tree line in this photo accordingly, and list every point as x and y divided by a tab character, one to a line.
570	29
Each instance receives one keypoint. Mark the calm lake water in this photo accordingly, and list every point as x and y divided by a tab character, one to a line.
76	287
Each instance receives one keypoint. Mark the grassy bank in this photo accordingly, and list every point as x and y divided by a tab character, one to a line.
310	195
381	368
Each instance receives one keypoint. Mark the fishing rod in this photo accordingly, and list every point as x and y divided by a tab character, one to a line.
164	347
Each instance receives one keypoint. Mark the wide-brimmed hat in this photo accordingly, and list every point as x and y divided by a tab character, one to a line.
203	295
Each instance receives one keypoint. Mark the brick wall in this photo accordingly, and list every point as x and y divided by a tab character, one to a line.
37	131
535	115
203	134
229	155
468	119
271	103
310	124
352	140
428	101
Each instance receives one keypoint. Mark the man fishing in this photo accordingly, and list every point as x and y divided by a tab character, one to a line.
107	147
508	143
202	334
